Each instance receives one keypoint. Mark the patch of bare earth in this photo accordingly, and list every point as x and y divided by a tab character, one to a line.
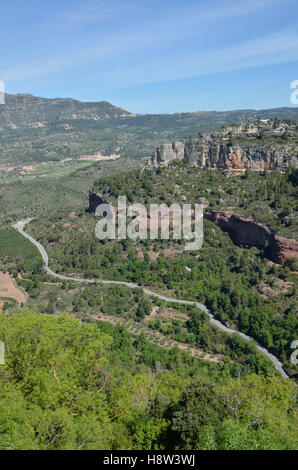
171	251
154	312
171	315
9	289
140	254
153	255
280	287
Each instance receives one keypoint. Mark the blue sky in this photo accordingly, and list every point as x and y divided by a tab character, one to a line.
153	56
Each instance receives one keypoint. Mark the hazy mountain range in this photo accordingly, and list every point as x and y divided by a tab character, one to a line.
34	129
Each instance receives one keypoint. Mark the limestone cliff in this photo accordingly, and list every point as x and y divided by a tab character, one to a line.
271	145
166	153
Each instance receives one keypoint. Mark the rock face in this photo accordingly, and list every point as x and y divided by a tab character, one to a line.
95	200
166	153
249	233
265	145
283	248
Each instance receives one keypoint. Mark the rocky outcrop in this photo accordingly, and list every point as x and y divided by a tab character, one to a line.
249	233
243	231
283	248
166	153
95	199
258	147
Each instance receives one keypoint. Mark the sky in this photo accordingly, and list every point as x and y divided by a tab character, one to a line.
153	56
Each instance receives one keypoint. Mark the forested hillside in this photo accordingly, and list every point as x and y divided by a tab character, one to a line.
239	285
68	385
94	366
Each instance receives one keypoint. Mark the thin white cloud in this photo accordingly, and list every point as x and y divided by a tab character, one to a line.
187	13
118	53
272	49
93	12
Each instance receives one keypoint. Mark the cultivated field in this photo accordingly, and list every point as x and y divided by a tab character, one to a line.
9	289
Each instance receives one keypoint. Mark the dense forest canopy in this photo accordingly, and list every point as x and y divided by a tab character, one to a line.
68	385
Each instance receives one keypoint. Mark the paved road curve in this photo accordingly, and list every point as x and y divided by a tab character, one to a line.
20	227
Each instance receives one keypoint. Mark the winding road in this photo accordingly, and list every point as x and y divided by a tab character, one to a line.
20	227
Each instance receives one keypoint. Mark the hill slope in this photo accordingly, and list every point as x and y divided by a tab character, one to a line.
34	129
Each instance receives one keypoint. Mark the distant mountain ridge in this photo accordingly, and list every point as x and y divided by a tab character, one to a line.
34	129
25	109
